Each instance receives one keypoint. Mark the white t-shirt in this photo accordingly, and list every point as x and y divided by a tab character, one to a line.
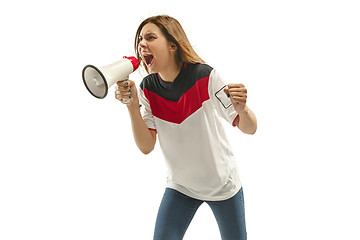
186	115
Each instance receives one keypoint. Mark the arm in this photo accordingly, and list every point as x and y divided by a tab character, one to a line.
246	121
144	138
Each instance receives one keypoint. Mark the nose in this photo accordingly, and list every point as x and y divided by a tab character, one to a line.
142	43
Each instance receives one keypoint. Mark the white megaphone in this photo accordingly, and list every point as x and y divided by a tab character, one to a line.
99	80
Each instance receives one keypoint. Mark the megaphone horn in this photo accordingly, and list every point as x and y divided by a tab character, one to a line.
99	80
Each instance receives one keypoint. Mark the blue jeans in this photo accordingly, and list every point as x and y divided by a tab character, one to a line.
177	210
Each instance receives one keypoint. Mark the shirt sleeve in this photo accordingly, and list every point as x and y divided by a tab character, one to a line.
219	99
146	111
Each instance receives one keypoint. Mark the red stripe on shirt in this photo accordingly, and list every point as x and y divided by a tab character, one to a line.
234	122
177	112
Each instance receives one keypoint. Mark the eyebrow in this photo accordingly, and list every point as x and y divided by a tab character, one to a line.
147	34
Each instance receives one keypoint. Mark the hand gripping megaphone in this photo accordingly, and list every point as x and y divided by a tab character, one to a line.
99	80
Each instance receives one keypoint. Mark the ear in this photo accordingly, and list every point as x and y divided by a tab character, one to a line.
172	46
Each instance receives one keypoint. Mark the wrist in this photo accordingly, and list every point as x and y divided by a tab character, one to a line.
244	111
133	106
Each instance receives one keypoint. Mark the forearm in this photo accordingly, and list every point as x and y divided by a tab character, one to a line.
247	122
144	138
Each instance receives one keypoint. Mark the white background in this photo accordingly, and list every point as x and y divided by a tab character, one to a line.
69	166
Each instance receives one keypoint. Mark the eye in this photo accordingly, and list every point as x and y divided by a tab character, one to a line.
150	37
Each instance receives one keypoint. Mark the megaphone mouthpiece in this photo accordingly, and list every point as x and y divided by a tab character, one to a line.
134	61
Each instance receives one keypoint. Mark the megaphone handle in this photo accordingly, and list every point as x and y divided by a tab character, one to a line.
125	100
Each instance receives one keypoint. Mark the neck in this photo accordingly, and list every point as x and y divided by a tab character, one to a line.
171	72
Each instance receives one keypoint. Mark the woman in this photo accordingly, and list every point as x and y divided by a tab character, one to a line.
182	101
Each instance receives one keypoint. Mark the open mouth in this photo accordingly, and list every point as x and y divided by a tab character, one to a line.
149	59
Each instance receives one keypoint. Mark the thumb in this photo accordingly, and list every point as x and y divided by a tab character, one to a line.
226	91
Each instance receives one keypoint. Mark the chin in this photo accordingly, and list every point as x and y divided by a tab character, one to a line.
152	70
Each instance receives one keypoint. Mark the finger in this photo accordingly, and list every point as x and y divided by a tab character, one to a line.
124	101
122	88
238	94
237	99
123	95
236	85
122	98
131	83
233	90
226	91
118	97
123	84
126	83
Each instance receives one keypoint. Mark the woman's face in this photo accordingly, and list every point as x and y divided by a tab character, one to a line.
155	50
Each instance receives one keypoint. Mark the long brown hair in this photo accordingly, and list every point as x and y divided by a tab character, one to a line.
174	33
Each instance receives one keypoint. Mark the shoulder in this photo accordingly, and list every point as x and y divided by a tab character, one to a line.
199	69
149	81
